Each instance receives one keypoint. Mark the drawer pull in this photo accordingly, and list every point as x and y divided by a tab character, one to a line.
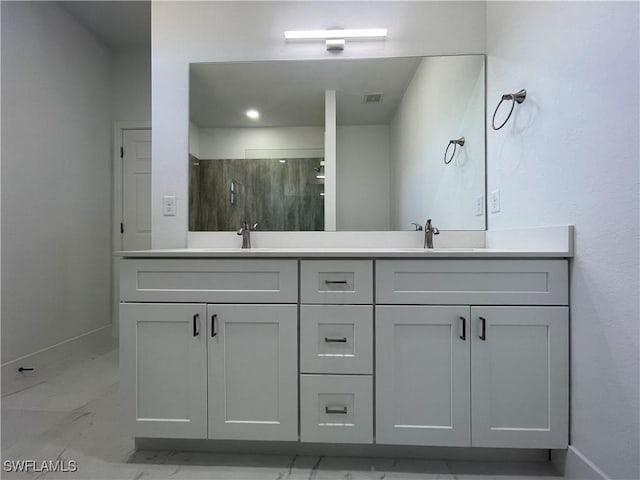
483	328
195	325
335	282
464	328
335	340
335	410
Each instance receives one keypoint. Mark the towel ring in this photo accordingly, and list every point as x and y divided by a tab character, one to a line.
455	144
517	97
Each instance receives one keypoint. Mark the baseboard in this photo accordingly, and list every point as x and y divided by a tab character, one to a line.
344	450
50	360
572	464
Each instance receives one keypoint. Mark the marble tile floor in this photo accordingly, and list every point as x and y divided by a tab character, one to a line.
75	415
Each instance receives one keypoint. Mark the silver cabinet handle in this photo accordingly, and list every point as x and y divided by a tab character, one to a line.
335	282
335	340
483	328
335	410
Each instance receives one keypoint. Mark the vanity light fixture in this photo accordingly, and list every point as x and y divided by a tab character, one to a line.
253	114
335	38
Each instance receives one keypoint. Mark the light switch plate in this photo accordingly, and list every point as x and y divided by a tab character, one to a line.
494	201
479	206
169	206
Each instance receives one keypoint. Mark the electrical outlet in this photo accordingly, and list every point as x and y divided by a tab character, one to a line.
169	206
494	201
479	205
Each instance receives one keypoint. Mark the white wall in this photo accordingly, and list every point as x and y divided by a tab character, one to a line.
362	177
444	101
132	85
570	155
56	170
184	32
258	142
194	140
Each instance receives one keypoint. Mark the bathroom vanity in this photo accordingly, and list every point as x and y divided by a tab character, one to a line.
447	347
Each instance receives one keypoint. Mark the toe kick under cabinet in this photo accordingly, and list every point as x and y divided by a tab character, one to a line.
433	352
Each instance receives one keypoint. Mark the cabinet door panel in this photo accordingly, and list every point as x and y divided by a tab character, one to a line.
163	369
422	376
520	377
253	372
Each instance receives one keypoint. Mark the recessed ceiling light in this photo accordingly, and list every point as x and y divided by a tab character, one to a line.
253	114
283	161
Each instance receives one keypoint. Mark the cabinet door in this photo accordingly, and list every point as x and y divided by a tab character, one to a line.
520	377
422	375
163	369
253	372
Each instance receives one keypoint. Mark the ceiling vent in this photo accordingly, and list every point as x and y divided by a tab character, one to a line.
373	98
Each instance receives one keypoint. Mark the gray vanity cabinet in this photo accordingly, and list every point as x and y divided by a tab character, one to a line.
221	365
253	372
519	377
336	351
444	352
422	376
163	361
481	374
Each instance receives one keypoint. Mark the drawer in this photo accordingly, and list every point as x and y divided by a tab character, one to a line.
472	282
336	408
212	281
336	339
336	281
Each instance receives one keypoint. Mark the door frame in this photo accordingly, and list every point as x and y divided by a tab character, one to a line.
116	207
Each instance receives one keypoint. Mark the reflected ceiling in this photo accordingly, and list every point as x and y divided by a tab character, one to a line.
221	93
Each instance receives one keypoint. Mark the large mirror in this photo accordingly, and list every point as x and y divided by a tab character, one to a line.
338	144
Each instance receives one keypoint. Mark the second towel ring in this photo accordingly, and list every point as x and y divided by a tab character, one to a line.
517	97
455	144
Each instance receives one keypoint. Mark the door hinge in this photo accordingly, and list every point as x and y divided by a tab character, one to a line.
121	228
121	152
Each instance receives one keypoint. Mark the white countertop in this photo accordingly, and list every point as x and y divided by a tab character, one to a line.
351	252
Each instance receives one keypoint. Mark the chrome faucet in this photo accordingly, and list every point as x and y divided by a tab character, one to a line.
245	231
429	232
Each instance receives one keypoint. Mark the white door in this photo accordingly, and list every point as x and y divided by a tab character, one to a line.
163	369
136	190
253	372
422	375
520	377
